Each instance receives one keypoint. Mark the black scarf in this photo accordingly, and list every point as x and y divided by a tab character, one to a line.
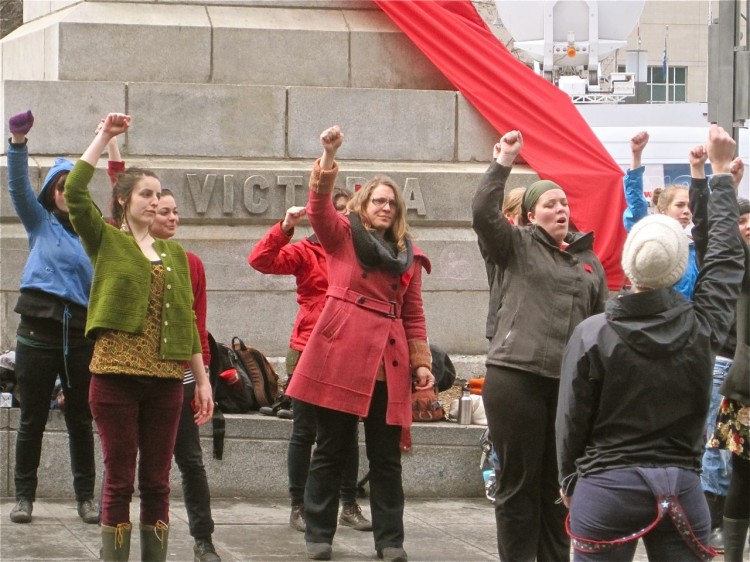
374	251
63	218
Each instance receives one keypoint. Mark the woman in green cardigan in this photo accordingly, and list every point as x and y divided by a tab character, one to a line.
141	317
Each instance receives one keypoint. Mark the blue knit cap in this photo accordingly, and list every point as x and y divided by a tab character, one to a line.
60	165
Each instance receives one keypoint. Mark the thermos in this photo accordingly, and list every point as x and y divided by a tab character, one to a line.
464	407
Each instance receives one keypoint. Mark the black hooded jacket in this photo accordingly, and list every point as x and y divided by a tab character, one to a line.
636	380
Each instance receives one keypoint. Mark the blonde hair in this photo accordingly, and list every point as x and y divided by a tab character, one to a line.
662	197
512	202
399	230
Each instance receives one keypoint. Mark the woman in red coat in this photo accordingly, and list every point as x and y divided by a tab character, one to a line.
360	358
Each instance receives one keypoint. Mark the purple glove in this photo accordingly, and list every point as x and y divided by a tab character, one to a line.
21	123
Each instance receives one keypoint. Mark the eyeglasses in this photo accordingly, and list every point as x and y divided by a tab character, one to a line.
381	202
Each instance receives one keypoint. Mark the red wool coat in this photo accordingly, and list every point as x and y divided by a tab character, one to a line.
356	332
306	260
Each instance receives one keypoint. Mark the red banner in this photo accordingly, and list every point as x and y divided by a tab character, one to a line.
558	143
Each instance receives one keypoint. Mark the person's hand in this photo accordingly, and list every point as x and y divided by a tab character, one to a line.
203	402
292	218
737	169
720	148
21	123
509	146
114	124
698	156
639	142
331	139
425	378
565	499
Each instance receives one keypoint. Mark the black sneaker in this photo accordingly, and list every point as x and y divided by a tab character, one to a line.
21	512
88	510
204	551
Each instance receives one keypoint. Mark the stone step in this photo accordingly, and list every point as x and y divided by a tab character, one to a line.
349	44
443	463
173	119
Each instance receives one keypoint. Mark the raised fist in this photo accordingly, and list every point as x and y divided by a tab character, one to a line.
21	123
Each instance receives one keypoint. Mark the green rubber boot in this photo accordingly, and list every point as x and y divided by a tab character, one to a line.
116	542
154	542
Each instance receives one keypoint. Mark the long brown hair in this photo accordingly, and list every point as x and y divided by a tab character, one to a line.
123	189
399	230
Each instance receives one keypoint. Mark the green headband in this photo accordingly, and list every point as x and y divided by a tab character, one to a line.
533	193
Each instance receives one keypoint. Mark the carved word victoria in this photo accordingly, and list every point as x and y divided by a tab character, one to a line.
258	190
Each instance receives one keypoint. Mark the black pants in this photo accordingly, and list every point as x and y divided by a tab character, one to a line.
298	455
737	505
334	441
189	458
521	410
36	371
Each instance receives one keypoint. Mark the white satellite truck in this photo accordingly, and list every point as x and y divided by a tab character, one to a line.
568	40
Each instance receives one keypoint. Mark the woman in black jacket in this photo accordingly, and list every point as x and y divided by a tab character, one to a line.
635	387
551	280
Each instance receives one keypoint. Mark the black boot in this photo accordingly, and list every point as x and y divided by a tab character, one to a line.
716	510
735	533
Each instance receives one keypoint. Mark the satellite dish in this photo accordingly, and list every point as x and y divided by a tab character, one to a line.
569	32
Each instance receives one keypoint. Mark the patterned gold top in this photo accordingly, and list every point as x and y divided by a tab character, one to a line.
122	353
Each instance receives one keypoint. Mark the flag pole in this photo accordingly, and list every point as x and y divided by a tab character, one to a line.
665	66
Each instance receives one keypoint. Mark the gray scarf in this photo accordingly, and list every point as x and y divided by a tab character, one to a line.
374	251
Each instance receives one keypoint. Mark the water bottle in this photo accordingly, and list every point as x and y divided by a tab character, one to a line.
464	407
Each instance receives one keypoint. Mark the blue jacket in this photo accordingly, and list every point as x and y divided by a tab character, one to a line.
57	263
637	208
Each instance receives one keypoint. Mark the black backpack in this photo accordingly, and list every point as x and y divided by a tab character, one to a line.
230	399
259	384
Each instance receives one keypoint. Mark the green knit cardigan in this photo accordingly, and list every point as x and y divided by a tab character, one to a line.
122	275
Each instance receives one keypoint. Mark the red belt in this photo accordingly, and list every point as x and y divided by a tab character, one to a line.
391	309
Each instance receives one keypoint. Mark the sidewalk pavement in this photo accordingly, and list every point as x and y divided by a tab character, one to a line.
258	530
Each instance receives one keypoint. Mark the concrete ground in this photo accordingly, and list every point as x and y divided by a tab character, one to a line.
436	530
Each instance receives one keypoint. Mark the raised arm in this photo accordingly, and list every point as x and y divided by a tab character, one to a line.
29	210
492	228
699	200
720	278
330	227
637	206
84	215
115	163
273	254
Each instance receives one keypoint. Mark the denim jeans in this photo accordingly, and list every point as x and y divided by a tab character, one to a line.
188	455
335	436
717	463
618	503
36	371
136	417
304	428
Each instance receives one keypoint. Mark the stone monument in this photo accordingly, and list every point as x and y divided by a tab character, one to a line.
228	98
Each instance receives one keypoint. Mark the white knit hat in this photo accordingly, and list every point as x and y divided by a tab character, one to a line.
655	254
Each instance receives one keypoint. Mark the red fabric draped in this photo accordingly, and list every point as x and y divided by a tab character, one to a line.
558	144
